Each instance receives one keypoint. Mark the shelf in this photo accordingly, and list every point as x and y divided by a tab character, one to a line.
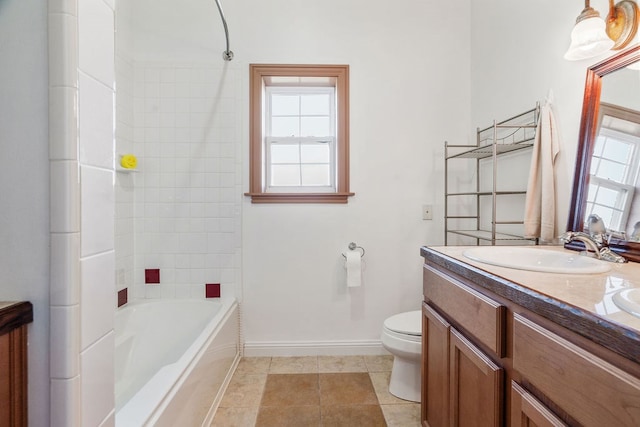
486	235
486	193
123	170
485	151
511	135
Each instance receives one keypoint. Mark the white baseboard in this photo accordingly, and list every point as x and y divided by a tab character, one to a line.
313	348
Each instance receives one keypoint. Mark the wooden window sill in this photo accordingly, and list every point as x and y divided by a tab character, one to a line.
299	197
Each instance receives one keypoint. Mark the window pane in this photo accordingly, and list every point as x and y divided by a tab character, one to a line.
315	105
617	150
595	163
285	153
611	170
285	175
607	197
316	153
592	192
605	213
285	126
285	105
314	175
315	126
597	149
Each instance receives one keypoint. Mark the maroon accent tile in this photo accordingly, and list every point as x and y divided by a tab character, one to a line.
122	297
212	290
152	275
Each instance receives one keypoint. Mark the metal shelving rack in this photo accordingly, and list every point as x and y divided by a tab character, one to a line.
513	134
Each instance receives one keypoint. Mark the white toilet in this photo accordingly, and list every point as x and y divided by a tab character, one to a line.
402	337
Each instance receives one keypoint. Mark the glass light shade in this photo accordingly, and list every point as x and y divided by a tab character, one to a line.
588	39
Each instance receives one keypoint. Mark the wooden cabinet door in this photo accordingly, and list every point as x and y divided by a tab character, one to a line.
476	387
435	369
13	378
527	411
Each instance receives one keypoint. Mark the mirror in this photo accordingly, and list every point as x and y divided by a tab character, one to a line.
610	111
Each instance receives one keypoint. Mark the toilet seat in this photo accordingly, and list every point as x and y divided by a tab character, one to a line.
409	323
399	337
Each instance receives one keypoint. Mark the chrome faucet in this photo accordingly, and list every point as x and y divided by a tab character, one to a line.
590	244
596	242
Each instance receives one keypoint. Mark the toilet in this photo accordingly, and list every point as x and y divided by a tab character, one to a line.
402	337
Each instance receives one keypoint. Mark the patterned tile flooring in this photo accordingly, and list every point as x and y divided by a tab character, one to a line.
337	391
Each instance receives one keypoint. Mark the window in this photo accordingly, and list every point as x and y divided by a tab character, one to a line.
299	134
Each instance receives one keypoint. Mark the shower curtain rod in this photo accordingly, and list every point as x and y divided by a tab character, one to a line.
227	55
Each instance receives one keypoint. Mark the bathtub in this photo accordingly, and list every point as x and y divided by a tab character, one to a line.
173	359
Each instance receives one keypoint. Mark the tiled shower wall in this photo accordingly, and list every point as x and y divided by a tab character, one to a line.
187	193
124	188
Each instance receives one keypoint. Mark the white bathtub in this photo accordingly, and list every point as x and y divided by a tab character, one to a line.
173	359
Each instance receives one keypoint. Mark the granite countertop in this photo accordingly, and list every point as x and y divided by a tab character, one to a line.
580	302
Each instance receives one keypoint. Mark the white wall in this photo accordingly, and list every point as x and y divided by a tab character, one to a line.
24	187
409	92
517	57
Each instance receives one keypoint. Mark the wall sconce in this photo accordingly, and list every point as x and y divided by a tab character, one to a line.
593	36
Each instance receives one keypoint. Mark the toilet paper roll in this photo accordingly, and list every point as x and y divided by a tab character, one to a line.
354	269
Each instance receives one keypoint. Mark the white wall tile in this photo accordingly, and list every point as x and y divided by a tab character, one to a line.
63	123
65	196
179	193
98	205
63	6
65	269
98	381
64	362
63	50
96	122
65	402
98	293
96	40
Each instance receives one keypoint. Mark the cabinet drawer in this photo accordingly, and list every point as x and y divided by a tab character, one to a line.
526	410
589	389
479	315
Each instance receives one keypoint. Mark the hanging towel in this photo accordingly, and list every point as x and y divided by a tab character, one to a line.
540	204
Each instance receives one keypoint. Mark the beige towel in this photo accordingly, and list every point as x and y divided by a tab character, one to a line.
540	204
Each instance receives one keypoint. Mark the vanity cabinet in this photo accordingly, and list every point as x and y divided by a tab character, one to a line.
463	386
461	383
14	318
527	411
589	388
489	361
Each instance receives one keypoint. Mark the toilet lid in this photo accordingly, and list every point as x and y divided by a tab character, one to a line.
409	323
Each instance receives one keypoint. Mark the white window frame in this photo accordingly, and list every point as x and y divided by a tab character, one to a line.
300	140
625	189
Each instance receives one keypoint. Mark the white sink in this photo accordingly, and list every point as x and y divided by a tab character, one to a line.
536	259
628	300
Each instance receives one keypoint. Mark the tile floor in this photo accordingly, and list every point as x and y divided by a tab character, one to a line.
323	391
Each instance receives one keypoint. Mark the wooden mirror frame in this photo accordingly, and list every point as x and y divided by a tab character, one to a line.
586	143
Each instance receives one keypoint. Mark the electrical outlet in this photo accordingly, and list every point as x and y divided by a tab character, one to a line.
427	212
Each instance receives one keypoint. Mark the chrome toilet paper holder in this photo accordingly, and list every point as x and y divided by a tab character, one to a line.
352	246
